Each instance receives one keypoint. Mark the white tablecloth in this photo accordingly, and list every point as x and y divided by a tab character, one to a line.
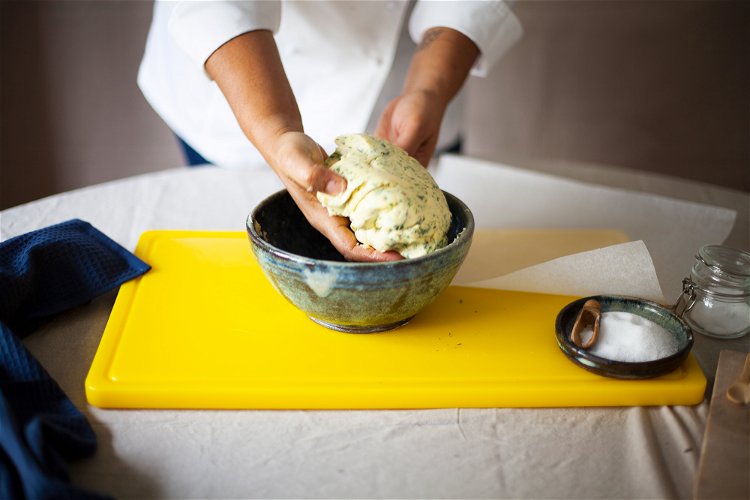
446	453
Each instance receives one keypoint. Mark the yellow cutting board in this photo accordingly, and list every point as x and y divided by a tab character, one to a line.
205	329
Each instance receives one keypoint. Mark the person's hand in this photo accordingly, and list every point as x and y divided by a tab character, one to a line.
441	62
412	122
298	161
249	73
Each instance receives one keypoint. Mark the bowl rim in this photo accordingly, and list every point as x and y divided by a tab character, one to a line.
464	235
616	368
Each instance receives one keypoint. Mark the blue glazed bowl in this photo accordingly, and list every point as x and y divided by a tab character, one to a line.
356	297
652	311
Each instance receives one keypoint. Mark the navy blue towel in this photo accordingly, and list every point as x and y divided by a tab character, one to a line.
43	273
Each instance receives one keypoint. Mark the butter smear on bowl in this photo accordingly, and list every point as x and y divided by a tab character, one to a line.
391	200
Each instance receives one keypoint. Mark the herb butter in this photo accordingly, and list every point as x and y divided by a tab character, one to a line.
391	200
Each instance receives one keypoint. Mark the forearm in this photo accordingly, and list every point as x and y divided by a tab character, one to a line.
249	72
441	63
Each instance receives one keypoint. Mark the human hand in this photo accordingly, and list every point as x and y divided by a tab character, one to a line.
412	122
298	162
440	64
249	73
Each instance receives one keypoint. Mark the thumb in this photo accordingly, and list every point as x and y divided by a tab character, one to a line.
304	166
324	180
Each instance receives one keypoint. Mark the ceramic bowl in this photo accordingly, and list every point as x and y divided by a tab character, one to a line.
652	311
357	297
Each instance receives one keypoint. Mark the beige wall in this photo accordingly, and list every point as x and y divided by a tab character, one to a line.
661	86
72	114
653	85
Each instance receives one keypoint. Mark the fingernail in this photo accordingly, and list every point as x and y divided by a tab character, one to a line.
335	186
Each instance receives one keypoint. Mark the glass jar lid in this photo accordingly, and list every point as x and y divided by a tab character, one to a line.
725	259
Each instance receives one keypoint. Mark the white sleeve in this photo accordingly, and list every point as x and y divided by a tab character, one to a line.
199	27
490	24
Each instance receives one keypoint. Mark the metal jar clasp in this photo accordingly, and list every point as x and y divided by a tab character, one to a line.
687	298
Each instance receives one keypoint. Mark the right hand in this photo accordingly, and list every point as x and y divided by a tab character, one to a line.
298	161
249	72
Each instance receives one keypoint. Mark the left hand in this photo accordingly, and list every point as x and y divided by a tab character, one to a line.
412	122
440	64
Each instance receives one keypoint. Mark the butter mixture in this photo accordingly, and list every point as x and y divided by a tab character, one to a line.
391	200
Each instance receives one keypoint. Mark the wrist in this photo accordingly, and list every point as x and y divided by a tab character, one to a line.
268	134
441	63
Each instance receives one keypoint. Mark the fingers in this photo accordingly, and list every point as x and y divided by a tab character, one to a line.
337	230
384	128
409	136
403	132
411	123
345	242
425	152
416	145
410	140
362	253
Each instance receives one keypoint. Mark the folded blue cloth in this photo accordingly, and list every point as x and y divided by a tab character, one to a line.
43	273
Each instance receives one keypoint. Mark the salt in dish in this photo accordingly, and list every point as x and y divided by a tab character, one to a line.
637	338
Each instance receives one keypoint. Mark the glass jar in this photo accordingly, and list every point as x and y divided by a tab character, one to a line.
715	299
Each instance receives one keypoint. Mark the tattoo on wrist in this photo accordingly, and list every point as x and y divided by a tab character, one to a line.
430	36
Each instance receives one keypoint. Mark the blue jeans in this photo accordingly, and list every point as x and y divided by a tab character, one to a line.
192	157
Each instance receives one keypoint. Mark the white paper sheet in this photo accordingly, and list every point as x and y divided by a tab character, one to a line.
624	269
671	230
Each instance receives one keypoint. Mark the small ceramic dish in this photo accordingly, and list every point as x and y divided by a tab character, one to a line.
651	311
354	297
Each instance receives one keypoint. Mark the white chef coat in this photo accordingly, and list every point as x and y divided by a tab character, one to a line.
338	57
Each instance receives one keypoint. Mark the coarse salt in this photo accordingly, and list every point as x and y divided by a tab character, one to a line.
721	317
625	336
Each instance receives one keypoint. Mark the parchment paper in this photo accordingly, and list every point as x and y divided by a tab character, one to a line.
666	233
625	269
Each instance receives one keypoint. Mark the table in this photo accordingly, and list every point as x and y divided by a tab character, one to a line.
443	453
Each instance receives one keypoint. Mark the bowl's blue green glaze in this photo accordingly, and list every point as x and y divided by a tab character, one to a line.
359	297
652	311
